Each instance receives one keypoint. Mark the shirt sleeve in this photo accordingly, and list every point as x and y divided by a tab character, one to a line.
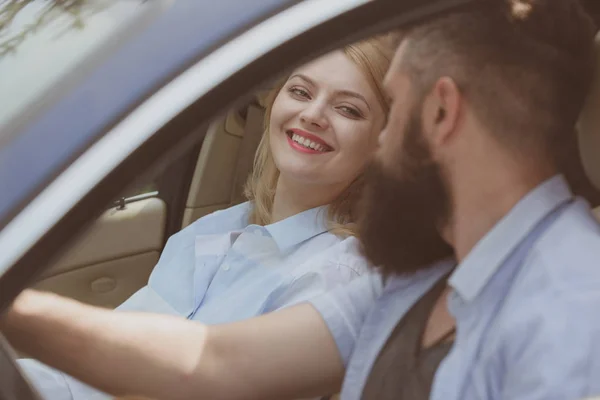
345	308
340	265
554	355
310	285
147	300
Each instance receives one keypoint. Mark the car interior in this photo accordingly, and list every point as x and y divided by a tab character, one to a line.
116	255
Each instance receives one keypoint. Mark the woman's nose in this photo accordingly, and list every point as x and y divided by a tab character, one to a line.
314	115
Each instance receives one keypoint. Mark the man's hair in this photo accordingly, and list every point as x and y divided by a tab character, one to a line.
524	66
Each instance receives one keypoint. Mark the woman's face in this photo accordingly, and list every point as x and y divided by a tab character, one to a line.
324	123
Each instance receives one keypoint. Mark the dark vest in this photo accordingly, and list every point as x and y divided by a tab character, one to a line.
404	370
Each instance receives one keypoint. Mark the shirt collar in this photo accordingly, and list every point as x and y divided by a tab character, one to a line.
298	228
488	255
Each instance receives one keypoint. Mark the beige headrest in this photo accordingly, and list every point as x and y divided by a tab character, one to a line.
263	97
589	127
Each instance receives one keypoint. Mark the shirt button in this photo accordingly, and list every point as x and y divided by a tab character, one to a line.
225	267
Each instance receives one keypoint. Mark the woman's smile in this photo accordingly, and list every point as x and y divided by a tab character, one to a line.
308	143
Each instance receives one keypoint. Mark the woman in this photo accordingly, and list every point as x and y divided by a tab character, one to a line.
294	238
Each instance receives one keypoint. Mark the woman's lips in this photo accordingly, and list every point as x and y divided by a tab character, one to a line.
306	142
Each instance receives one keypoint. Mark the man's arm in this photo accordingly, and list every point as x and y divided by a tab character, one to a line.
284	354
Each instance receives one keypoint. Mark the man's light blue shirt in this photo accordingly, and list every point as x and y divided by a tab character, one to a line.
221	269
526	301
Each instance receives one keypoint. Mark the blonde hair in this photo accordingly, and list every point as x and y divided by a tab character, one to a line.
373	56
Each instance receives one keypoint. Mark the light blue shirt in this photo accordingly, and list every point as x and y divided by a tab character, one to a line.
526	301
240	271
220	269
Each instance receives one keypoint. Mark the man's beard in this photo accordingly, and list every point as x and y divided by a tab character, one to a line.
402	211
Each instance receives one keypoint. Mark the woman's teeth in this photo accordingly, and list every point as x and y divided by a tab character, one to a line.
309	144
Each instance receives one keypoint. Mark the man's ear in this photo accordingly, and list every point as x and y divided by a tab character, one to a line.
441	110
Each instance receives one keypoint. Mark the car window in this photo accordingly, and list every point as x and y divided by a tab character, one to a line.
43	41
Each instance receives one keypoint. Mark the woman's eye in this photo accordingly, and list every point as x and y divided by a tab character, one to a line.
299	92
351	111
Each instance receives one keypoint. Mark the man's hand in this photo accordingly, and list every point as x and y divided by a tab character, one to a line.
286	354
29	304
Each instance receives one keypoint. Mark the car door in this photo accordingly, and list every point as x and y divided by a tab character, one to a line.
114	257
133	133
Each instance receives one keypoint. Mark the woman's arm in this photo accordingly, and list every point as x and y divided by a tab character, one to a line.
285	354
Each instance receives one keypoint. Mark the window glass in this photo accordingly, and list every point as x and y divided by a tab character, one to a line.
42	41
